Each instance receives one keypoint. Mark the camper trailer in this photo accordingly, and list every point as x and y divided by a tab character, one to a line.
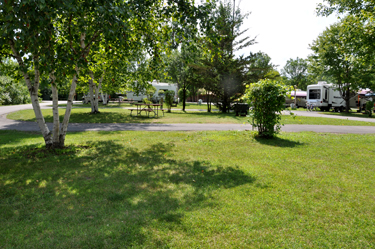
326	96
159	86
300	98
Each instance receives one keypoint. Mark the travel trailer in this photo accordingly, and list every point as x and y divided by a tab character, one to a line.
326	96
159	86
299	95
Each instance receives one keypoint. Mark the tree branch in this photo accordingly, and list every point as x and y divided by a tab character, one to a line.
70	34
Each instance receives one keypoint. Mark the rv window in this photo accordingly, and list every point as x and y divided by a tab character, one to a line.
314	94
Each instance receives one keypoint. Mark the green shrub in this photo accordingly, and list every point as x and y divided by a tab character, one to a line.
181	92
169	96
13	93
369	107
146	101
150	91
266	99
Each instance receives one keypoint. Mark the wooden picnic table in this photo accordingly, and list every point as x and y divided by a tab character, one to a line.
147	108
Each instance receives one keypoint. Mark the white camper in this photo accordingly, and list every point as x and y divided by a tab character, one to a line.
326	96
159	86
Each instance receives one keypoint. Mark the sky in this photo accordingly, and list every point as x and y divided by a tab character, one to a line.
284	28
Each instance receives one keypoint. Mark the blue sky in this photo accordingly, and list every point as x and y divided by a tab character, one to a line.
284	28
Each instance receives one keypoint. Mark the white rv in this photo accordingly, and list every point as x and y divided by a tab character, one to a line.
159	86
326	96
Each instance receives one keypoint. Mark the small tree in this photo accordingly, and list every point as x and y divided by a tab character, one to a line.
266	99
169	95
369	108
181	94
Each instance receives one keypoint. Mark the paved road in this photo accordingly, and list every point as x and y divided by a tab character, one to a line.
317	114
7	124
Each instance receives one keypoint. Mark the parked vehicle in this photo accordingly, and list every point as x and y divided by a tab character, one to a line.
155	98
326	97
105	96
299	95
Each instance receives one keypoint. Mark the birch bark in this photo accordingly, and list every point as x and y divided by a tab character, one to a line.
33	90
68	111
92	94
55	111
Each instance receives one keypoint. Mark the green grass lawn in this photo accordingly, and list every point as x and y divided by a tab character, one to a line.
187	190
350	114
189	106
119	115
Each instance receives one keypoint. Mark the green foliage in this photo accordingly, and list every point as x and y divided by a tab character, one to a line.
369	107
340	53
13	93
146	101
261	68
169	96
150	91
296	71
225	75
266	99
181	93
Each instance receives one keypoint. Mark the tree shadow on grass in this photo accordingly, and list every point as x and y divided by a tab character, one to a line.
278	142
104	195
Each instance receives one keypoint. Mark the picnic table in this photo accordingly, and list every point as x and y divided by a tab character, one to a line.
147	108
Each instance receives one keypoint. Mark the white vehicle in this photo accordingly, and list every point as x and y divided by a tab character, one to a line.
325	96
159	86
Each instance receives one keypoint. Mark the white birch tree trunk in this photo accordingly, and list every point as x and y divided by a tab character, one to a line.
68	111
94	94
104	99
96	98
33	90
56	118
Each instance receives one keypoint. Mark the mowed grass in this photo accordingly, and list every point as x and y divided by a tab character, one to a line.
350	114
119	115
187	190
189	106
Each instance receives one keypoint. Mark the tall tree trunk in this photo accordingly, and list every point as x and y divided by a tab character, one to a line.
347	100
93	95
183	99
56	118
33	90
208	102
104	96
96	99
68	111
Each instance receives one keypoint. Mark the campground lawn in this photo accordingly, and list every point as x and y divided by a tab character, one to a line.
189	106
120	115
350	114
224	189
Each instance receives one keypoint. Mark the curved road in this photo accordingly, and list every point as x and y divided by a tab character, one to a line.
7	124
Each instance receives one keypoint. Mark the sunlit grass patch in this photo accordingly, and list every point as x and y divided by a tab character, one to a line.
119	115
188	189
